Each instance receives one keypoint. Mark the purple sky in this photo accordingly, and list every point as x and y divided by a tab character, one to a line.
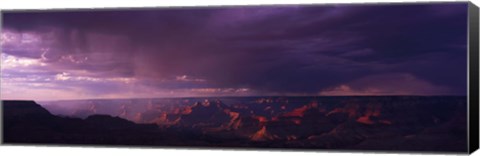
414	49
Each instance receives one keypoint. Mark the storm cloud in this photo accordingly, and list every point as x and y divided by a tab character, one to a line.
414	49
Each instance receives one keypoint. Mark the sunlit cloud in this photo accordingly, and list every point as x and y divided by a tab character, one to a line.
188	79
10	61
387	84
64	76
220	90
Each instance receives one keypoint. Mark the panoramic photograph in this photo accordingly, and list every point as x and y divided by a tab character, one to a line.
383	77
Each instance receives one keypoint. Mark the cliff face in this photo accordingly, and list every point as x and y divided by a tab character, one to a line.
24	109
25	116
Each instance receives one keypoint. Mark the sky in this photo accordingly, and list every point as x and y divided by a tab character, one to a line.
283	50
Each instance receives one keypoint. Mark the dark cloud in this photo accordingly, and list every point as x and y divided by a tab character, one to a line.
269	49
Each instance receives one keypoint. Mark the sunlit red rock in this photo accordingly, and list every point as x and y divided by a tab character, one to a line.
298	112
372	111
261	119
262	135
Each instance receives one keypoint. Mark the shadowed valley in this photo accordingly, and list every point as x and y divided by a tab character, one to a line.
406	123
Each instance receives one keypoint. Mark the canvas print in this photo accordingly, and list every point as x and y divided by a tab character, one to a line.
384	77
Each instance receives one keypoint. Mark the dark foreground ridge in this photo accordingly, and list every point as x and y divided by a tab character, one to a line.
26	122
429	124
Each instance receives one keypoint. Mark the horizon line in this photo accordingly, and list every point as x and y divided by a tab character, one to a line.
452	95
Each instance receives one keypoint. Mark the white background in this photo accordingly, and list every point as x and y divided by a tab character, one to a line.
84	151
